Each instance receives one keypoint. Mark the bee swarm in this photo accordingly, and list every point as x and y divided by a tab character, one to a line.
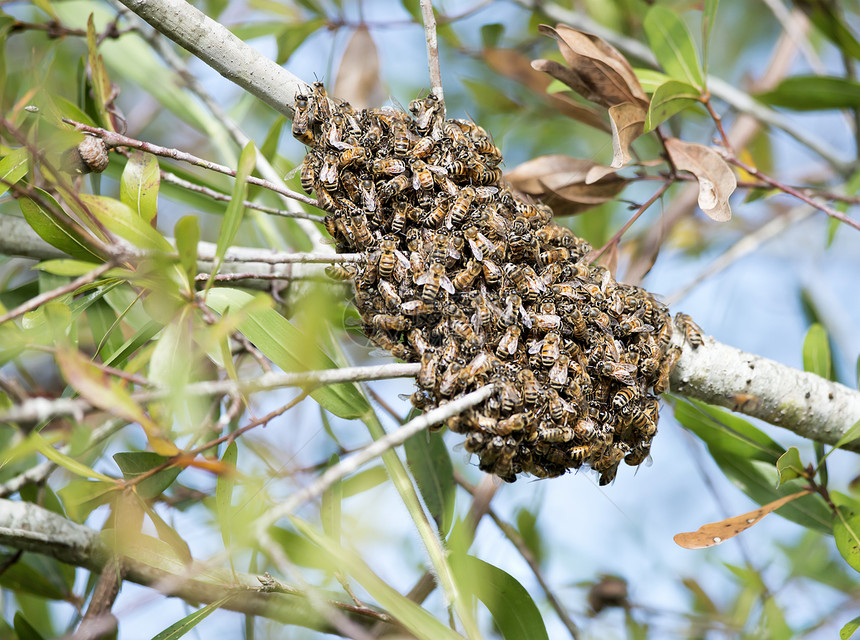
481	287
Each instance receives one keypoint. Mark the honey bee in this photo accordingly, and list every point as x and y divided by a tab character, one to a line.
455	133
461	328
475	442
546	321
422	148
633	324
433	279
387	166
351	155
548	348
460	208
565	290
422	177
389	294
368	194
301	120
373	134
661	385
578	456
536	215
509	341
516	422
419	342
321	103
511	396
360	230
692	331
478	243
465	278
400	134
639	420
621	371
394	186
664	336
326	200
553	234
492	272
525	280
328	173
390	322
334	132
530	387
639	453
607	464
491	220
308	174
600	318
350	118
341	271
420	399
481	364
387	257
483	315
624	396
424	110
450	381
449	353
558	373
427	374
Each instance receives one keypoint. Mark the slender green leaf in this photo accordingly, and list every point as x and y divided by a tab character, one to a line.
670	98
849	628
846	528
118	218
224	494
60	232
24	629
515	614
428	459
13	167
671	42
236	208
816	352
98	76
650	80
825	16
292	36
289	349
709	16
138	187
22	577
187	234
331	503
179	629
789	465
416	620
80	497
814	93
491	34
136	463
364	481
531	535
62	460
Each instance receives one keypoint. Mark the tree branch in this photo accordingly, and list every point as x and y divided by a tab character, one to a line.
29	527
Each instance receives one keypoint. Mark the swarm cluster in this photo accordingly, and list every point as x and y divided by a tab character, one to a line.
480	287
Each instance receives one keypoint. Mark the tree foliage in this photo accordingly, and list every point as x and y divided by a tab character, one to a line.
185	401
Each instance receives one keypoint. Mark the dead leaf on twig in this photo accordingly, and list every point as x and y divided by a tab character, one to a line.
357	79
628	123
559	181
716	179
709	535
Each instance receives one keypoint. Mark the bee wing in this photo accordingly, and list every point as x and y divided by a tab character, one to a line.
446	284
476	250
527	320
416	181
402	259
424	278
535	346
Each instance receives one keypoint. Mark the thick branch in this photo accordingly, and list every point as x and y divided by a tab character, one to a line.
215	45
801	402
26	526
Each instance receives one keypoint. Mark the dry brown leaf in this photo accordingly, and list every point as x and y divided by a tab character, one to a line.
628	123
358	76
709	535
599	171
514	65
716	179
573	198
597	72
572	109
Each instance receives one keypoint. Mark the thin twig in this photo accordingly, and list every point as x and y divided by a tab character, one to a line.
433	52
53	294
371	451
113	139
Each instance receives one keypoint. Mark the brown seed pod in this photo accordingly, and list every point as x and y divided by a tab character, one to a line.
90	156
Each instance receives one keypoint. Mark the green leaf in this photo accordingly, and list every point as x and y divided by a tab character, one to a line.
236	208
138	187
515	614
224	494
80	497
847	631
62	460
331	502
21	577
118	218
101	84
650	79
292	36
13	167
670	98
364	481
428	459
491	34
816	352
846	529
814	93
179	629
528	529
187	234
789	465
709	16
135	463
104	327
24	630
671	43
60	232
289	349
824	16
415	619
301	551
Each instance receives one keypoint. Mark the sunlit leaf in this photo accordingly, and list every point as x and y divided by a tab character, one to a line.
816	352
364	480
187	235
179	629
670	98
515	614
66	462
118	218
80	497
136	463
139	184
716	179
24	630
789	465
846	528
671	42
709	16
224	494
430	464
13	167
288	348
59	230
98	75
849	628
331	503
